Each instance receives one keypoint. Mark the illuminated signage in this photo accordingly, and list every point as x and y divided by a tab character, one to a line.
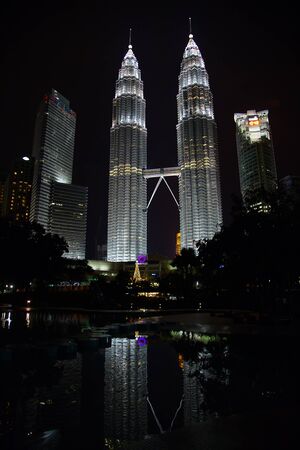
142	259
141	341
253	123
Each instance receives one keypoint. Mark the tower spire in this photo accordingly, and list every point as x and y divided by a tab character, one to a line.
190	24
129	44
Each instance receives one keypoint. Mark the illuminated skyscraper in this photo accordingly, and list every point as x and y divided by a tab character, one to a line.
127	217
56	203
198	161
256	159
53	149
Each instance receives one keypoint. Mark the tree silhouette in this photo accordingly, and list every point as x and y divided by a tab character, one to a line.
29	254
186	264
257	253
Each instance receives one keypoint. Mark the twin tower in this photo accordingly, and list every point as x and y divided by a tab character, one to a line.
198	161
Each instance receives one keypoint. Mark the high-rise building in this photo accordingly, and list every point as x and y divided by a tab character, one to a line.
58	205
257	168
17	190
53	149
68	216
127	216
198	161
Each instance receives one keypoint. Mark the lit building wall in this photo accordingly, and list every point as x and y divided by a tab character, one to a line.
53	150
17	191
125	415
178	244
127	217
257	168
68	216
199	181
2	186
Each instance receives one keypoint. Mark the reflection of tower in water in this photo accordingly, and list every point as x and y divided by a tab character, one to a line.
125	415
193	394
202	379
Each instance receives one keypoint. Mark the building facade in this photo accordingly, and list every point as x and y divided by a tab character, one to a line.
3	176
127	216
68	216
198	160
178	244
256	160
53	150
17	190
56	203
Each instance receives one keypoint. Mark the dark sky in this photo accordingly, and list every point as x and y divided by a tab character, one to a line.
251	55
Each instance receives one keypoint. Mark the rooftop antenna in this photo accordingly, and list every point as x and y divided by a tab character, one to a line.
129	46
190	22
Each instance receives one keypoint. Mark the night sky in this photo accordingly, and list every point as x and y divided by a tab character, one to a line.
251	55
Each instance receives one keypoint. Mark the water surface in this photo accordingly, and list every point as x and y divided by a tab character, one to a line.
58	391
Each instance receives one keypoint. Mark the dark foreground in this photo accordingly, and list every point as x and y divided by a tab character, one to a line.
122	380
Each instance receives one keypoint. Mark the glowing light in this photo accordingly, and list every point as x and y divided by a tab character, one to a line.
180	360
25	158
253	123
142	259
142	341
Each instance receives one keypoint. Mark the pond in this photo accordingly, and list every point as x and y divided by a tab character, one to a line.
78	380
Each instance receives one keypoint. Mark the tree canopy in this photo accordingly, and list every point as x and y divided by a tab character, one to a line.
257	254
258	250
28	253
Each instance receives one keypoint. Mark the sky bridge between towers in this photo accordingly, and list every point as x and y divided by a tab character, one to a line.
161	174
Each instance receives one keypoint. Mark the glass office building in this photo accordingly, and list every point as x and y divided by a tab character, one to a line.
68	216
257	168
53	149
56	203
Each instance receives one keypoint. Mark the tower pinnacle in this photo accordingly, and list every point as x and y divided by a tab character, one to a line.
129	46
190	22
